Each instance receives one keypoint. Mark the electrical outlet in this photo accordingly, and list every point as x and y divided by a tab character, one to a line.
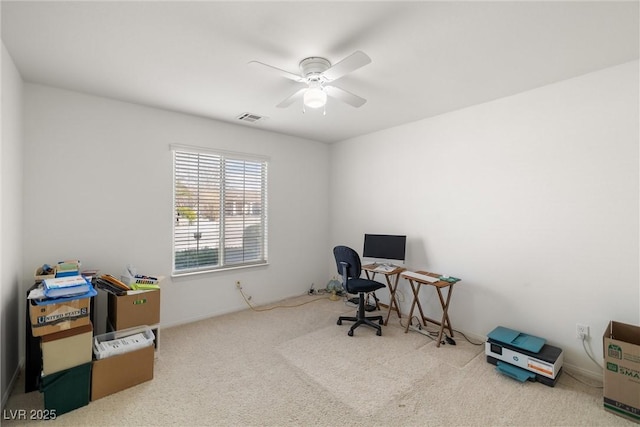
582	331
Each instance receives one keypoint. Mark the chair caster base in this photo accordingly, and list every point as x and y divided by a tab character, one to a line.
350	333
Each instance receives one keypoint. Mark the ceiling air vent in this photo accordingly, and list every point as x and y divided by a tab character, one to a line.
250	118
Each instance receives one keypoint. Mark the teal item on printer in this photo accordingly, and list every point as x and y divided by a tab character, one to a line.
517	339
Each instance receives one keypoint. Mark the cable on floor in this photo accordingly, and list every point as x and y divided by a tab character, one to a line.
582	382
276	306
468	340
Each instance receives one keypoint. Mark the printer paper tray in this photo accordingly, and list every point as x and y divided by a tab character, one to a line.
514	372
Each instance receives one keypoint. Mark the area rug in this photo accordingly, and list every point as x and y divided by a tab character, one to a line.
385	366
458	355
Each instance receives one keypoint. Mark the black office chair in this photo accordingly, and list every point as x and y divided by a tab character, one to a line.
349	266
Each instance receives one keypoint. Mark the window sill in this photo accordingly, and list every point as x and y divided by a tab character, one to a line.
216	270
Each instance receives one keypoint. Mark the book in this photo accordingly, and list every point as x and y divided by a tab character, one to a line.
65	286
67	268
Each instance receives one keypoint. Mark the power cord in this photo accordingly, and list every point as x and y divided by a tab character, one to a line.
584	347
275	306
589	354
467	339
582	382
434	334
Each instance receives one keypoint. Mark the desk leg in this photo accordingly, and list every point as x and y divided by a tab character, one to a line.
445	322
415	288
413	305
392	298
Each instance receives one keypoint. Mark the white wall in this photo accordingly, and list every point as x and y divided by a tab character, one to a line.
11	297
532	200
98	187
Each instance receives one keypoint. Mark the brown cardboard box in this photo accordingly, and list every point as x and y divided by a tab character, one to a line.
621	347
137	308
66	349
116	373
51	318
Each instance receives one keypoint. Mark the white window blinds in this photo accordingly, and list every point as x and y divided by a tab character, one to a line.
220	211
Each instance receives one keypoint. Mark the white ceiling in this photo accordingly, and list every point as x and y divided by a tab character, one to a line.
428	58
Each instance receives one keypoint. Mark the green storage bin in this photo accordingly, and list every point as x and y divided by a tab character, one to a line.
67	390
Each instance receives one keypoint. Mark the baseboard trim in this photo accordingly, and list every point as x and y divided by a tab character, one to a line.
572	369
12	384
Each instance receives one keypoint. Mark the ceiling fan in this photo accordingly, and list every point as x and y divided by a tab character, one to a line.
318	74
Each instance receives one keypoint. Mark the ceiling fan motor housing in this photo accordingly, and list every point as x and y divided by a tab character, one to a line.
313	67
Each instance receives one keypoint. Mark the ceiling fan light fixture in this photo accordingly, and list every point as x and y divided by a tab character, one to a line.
315	97
318	74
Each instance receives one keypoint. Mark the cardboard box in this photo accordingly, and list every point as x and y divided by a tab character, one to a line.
621	347
51	318
120	372
137	308
66	349
66	390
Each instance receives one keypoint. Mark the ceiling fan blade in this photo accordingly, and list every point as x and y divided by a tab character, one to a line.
281	72
293	98
347	65
344	96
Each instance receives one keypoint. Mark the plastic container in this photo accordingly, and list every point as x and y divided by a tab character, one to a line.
123	341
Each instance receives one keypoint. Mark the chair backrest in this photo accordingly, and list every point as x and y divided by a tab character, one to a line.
344	254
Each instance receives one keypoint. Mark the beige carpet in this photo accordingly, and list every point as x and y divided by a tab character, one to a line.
296	367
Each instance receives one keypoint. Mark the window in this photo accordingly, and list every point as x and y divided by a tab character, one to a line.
220	210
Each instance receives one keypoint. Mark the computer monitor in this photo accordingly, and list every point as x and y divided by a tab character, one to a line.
384	246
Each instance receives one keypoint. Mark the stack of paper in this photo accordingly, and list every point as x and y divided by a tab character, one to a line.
113	347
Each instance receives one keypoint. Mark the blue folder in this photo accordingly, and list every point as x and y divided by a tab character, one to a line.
91	293
517	339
